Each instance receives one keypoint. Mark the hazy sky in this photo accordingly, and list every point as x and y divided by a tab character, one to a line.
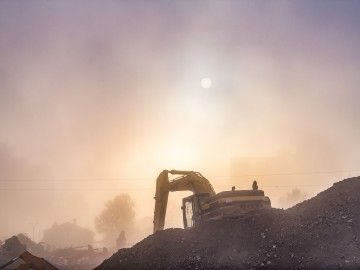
97	97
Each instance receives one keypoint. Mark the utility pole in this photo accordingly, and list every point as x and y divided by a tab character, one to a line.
33	225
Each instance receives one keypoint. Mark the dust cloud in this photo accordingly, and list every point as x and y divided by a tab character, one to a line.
97	98
292	198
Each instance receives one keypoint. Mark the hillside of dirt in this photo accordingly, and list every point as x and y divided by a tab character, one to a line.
323	232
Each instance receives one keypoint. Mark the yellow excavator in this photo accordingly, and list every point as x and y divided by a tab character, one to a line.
205	204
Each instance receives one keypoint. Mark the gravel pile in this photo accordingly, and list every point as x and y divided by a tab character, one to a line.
323	232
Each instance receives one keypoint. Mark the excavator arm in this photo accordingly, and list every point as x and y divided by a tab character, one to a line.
188	180
161	199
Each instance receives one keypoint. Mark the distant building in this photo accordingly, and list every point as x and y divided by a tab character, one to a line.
68	234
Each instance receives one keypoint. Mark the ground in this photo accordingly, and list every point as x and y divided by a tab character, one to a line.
323	232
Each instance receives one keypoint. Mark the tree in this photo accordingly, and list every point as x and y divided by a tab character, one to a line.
117	216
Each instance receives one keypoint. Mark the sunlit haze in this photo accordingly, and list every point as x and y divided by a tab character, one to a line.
98	97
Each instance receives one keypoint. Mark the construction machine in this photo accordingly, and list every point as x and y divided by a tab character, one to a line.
204	204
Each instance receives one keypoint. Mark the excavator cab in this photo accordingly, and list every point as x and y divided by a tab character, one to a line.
192	207
188	208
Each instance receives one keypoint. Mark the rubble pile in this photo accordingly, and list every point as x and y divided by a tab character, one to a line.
11	248
15	246
323	232
85	257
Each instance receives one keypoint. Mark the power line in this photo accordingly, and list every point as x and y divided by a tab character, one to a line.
73	189
143	188
133	179
301	173
72	179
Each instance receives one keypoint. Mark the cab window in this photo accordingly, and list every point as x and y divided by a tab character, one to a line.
189	214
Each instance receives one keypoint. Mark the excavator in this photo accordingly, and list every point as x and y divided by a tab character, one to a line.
204	204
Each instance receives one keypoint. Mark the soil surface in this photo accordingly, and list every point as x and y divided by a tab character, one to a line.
320	233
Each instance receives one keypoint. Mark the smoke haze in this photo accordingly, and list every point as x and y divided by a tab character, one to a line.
96	98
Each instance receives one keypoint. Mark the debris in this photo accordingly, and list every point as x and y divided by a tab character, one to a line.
13	246
85	257
27	261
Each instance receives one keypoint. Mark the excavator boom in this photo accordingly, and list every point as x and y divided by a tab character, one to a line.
161	199
188	180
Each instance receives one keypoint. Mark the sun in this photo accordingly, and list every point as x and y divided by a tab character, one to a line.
205	83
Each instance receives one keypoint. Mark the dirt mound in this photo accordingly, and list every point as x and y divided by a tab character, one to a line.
13	247
10	249
322	232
